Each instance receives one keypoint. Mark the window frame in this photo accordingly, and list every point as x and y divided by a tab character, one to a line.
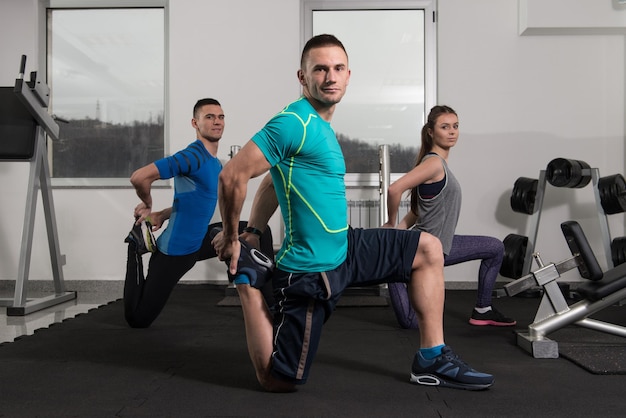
430	53
43	58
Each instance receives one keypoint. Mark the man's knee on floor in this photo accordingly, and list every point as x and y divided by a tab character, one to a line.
135	322
272	383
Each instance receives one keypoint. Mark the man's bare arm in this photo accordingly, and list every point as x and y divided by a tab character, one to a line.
232	189
142	180
264	205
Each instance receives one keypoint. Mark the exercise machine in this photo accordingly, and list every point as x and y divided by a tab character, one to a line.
527	198
602	289
24	123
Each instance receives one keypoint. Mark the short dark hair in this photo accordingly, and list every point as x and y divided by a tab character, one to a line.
204	102
320	41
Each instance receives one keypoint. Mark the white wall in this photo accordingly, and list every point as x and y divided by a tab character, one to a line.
522	101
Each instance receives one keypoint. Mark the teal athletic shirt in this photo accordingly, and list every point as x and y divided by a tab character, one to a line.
195	173
308	173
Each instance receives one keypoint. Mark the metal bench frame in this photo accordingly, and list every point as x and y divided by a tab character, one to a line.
554	312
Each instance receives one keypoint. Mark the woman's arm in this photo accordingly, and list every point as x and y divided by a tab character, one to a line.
408	221
428	171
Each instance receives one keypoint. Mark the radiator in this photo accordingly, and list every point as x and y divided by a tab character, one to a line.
366	213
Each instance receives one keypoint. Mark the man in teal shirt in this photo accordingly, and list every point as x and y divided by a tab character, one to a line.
321	255
297	143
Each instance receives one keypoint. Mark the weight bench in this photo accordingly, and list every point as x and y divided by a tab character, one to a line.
602	290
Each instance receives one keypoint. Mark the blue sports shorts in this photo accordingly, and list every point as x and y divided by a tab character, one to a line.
305	301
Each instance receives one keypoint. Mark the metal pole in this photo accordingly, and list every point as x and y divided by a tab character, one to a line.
602	218
234	149
534	222
384	178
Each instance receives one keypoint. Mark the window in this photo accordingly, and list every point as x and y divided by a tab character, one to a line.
391	48
106	72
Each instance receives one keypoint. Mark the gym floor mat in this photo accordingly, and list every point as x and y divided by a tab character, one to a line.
597	359
595	351
193	362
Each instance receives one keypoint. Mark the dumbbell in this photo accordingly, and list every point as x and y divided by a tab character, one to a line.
612	191
572	174
523	195
618	251
514	256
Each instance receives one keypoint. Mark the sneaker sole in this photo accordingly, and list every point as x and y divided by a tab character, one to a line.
257	274
427	379
148	237
139	248
483	322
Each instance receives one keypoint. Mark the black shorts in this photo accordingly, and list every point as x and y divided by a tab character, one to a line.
304	301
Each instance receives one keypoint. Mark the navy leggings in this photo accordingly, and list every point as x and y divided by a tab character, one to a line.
488	250
144	299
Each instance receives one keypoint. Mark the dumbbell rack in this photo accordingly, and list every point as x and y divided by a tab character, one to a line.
536	217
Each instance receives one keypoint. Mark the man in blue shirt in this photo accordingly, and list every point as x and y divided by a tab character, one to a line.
184	241
321	255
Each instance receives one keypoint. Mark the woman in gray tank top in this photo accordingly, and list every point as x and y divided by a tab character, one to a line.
435	208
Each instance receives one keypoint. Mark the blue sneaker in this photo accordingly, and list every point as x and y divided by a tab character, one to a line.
253	264
142	237
449	371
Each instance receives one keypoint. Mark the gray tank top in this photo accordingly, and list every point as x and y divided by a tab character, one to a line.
439	214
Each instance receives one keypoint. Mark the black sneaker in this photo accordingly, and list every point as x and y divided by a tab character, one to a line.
142	237
492	317
252	263
449	371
